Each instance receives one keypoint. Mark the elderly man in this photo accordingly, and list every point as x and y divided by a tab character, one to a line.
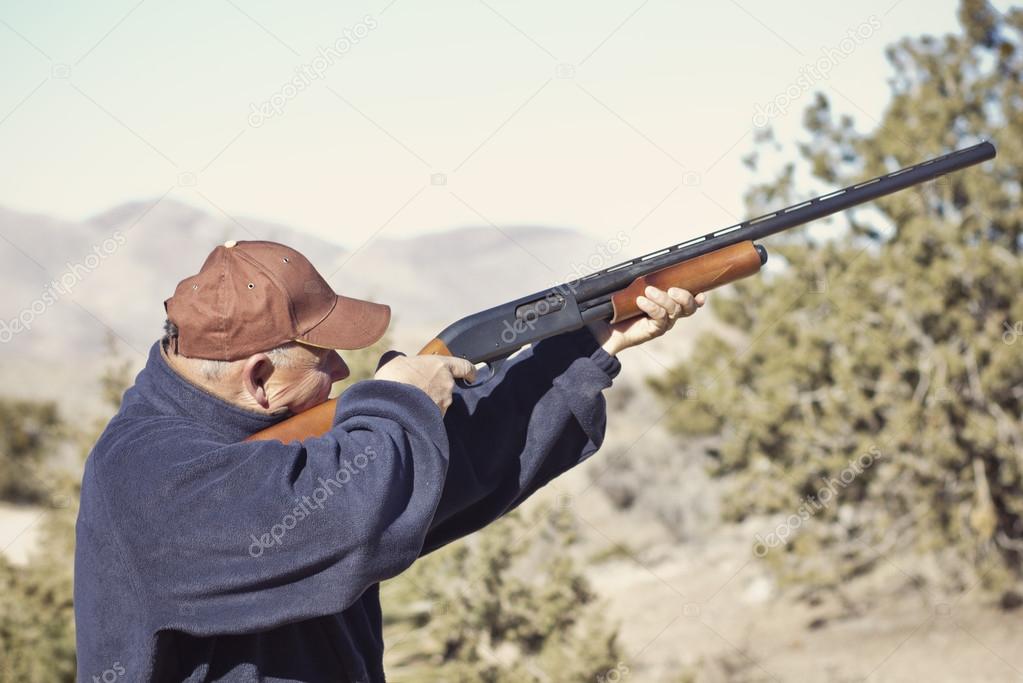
205	557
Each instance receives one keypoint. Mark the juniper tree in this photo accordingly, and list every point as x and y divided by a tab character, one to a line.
29	431
507	604
37	628
901	334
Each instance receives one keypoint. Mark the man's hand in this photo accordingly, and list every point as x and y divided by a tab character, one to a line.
435	375
662	310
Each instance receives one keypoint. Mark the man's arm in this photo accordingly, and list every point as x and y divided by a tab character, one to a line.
242	537
543	414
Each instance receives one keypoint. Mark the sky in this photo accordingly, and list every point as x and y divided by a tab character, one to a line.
356	120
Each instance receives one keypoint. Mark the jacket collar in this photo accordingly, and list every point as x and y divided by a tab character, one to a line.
173	395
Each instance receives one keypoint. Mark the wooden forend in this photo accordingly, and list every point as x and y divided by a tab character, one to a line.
700	274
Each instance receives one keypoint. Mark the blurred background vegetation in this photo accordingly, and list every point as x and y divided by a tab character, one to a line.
892	337
895	337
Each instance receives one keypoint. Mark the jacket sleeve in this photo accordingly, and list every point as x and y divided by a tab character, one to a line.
238	538
540	416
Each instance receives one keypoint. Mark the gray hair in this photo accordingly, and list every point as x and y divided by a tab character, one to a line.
213	370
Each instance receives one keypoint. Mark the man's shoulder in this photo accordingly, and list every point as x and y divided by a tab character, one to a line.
135	464
134	445
126	433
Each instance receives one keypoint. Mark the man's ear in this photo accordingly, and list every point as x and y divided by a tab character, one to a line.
255	373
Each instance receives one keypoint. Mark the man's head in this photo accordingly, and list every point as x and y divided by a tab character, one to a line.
258	326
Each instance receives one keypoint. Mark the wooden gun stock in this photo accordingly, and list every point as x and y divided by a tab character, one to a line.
318	419
313	422
700	274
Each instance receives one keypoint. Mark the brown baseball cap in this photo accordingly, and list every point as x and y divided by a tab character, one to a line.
253	296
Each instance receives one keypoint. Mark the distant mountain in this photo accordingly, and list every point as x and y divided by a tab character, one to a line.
116	268
439	277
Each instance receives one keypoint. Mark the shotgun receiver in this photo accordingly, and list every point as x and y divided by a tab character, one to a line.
697	265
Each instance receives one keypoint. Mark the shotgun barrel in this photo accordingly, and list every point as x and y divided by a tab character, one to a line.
711	260
697	265
593	287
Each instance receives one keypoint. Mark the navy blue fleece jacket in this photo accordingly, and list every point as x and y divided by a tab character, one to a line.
201	557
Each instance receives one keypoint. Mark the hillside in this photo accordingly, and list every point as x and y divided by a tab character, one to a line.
116	269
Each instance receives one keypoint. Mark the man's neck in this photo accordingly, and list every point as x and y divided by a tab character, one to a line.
187	371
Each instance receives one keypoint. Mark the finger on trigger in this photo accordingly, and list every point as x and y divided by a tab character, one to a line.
461	368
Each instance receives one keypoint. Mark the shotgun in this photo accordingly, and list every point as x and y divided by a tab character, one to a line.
697	265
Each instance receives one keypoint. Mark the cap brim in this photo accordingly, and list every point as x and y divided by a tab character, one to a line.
351	324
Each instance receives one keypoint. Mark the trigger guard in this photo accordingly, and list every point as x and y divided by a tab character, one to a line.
483	375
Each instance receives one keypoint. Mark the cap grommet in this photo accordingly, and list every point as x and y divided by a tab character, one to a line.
285	259
252	286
